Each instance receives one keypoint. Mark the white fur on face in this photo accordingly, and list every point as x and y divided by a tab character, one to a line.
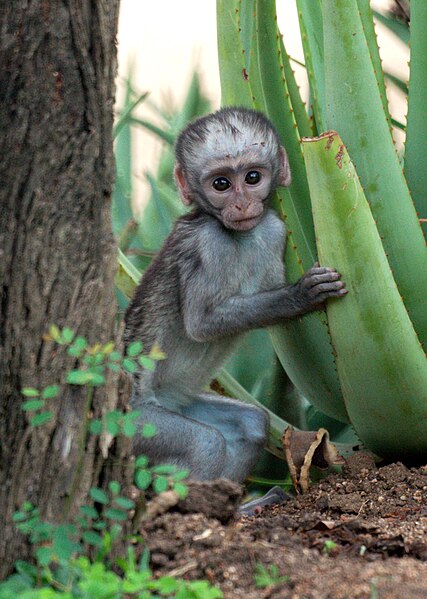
231	141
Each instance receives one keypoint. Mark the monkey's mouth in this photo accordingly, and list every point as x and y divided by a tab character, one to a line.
245	224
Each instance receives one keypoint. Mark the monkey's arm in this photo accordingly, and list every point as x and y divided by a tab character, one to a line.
209	313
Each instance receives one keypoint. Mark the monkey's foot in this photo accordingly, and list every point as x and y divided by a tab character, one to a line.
276	495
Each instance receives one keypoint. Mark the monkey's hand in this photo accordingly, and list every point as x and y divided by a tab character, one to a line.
316	286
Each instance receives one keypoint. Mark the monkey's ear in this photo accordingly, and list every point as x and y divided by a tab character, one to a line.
182	186
285	170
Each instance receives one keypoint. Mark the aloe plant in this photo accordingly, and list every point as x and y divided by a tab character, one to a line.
362	361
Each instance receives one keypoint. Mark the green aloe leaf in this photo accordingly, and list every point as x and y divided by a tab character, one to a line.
160	214
399	83
163	134
279	109
381	364
399	28
195	104
235	86
366	17
416	130
302	346
248	34
122	194
355	109
127	276
311	26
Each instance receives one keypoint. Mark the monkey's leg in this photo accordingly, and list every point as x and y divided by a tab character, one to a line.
243	427
183	442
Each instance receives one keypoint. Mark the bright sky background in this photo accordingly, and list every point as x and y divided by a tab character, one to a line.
165	40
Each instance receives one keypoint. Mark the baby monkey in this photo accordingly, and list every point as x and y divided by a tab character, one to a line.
219	274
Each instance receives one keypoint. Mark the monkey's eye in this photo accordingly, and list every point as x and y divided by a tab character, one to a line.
253	177
221	184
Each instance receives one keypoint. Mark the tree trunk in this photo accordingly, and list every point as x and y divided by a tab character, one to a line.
57	253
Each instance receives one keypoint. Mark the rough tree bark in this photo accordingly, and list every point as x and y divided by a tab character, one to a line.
57	254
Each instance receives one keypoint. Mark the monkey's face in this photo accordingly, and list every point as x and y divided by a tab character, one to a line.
237	191
229	163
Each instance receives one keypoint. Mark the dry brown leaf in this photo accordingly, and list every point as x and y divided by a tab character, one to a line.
304	449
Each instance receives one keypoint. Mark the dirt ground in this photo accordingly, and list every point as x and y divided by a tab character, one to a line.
362	533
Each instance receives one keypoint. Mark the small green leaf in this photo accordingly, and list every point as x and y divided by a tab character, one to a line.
181	474
114	367
30	392
98	358
78	347
134	349
89	511
108	347
95	427
133	415
141	461
92	538
26	569
143	479
115	356
101	525
164	469
114	487
130	365
67	335
55	333
78	377
99	495
160	484
97	379
32	404
328	546
72	351
41	418
168	585
44	555
156	353
114	514
147	362
113	429
129	428
80	343
112	422
114	415
51	391
181	489
63	544
124	503
19	517
148	430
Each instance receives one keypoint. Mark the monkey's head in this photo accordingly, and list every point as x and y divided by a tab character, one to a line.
229	163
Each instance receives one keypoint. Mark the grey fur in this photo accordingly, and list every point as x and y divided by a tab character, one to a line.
207	286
